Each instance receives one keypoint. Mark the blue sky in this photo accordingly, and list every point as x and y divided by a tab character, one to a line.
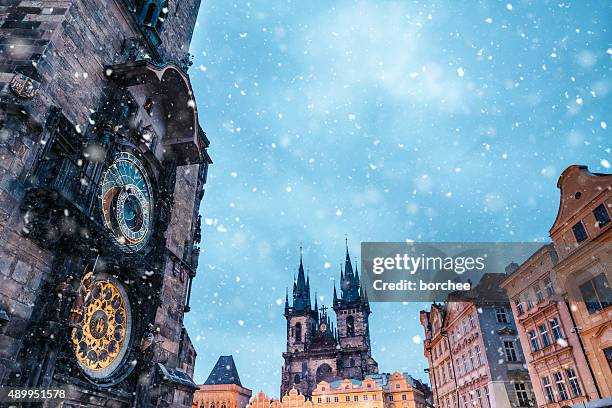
384	121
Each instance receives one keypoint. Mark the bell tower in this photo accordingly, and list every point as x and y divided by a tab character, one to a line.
302	322
352	313
316	350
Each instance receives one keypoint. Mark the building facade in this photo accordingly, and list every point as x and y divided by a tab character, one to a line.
561	297
222	388
473	350
316	351
555	357
103	166
582	236
375	391
395	390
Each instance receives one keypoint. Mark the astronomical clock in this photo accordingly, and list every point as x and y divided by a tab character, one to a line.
102	332
126	202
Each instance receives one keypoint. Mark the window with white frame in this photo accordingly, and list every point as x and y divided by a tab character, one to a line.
465	369
519	307
510	350
572	379
562	391
538	293
478	355
472	362
548	286
500	313
528	300
544	335
521	394
479	398
533	339
548	390
555	328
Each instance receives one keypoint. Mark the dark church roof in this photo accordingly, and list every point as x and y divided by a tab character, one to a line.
224	372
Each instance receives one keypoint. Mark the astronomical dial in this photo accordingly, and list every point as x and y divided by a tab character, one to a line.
127	201
100	338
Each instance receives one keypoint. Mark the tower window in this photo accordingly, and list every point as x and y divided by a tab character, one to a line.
350	326
601	215
296	379
298	332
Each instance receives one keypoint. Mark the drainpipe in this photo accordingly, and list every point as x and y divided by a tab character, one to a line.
577	331
445	335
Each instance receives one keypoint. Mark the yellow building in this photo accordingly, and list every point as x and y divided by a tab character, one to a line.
348	393
375	391
222	389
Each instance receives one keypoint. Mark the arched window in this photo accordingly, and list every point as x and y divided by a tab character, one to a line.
298	332
350	326
352	362
296	379
324	372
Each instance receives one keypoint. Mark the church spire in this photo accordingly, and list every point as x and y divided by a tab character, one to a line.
349	281
301	289
286	300
335	294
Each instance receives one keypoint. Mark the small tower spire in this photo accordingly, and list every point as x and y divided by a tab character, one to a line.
286	300
335	294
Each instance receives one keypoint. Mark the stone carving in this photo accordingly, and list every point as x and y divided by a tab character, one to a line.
83	293
23	86
63	296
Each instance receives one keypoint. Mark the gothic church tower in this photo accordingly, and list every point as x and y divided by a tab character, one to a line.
316	351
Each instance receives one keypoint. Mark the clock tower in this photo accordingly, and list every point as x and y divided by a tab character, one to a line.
99	213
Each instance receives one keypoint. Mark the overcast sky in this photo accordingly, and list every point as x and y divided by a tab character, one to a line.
384	121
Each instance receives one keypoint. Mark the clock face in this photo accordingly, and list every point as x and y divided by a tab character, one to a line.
323	327
101	337
127	201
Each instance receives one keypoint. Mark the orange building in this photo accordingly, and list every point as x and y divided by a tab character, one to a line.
222	389
582	236
561	297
